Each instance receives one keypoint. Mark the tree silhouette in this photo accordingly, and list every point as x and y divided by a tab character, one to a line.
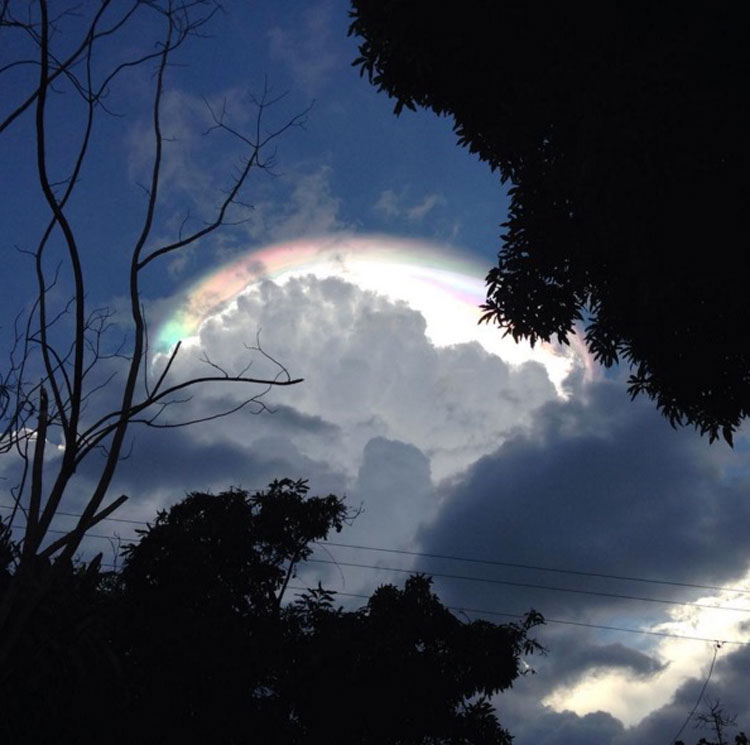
72	389
621	128
197	643
403	669
201	621
216	655
63	681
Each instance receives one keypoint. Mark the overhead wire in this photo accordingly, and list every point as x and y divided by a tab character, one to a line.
536	567
717	647
564	622
495	581
475	560
532	585
487	580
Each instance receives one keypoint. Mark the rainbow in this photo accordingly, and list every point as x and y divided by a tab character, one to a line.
396	267
444	285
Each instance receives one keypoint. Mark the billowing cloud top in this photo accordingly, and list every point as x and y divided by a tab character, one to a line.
443	284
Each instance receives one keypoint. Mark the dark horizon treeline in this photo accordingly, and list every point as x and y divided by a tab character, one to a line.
191	641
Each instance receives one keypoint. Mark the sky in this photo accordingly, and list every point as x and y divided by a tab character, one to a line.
518	478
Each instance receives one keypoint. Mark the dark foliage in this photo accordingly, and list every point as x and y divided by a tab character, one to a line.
61	684
201	622
740	739
403	669
191	643
217	657
622	128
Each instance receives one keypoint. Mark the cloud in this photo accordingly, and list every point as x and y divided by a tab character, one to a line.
452	451
533	723
393	205
395	487
382	416
370	370
566	728
418	211
388	203
193	165
308	209
727	685
306	49
596	484
201	162
601	484
572	661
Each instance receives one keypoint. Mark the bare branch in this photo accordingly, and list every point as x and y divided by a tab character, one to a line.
74	536
254	160
63	366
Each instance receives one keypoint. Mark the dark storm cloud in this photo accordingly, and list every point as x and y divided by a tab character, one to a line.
547	727
165	464
572	660
181	459
289	419
598	485
535	724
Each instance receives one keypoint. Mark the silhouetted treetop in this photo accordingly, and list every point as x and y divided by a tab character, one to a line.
622	129
404	669
197	640
212	654
234	548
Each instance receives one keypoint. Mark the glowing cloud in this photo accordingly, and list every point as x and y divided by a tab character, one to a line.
444	285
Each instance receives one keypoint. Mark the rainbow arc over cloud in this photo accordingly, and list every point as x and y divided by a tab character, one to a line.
443	284
395	267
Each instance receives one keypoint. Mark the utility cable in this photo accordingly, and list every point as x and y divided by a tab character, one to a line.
531	585
487	580
717	647
473	560
536	567
558	621
564	622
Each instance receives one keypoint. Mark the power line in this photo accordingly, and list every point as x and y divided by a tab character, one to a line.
561	621
473	560
717	646
112	537
537	567
74	514
470	578
531	585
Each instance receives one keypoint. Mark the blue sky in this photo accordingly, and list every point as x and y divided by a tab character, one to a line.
451	450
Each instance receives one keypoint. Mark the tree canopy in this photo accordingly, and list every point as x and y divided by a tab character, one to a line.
195	639
622	130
